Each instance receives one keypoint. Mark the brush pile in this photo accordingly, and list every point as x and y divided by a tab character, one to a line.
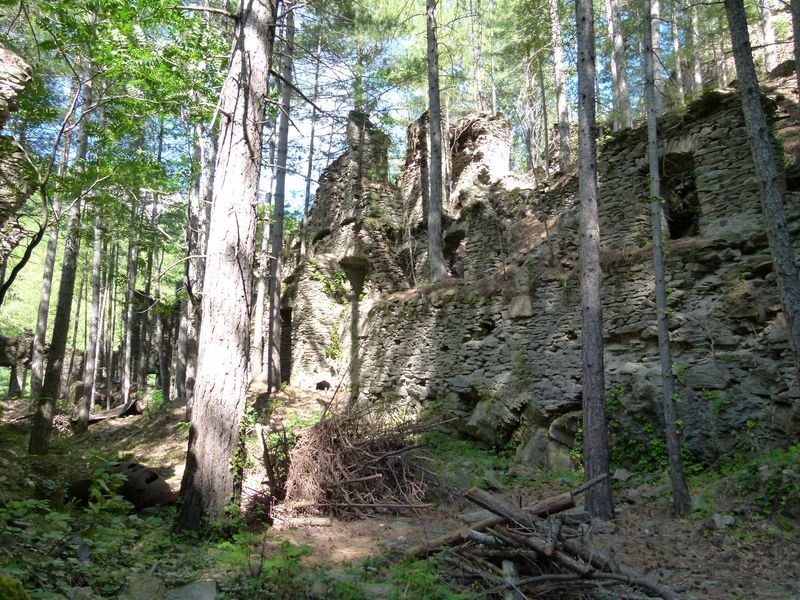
535	552
358	463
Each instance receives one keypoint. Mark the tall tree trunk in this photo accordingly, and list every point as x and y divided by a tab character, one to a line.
655	8
619	74
435	251
66	377
129	318
697	60
564	159
276	229
160	344
595	431
146	319
770	177
680	85
476	24
310	165
111	289
545	123
794	9
51	387
258	364
100	358
722	62
43	313
680	489
87	400
208	482
768	34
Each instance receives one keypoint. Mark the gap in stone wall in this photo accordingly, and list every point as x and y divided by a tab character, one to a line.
680	191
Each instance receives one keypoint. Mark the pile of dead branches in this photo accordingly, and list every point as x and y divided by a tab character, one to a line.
533	552
358	463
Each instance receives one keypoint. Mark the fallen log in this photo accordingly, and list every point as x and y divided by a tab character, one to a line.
542	509
133	407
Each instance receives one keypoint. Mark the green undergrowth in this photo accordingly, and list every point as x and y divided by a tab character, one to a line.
462	463
761	486
52	547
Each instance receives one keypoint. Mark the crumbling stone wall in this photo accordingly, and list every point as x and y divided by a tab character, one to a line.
500	348
16	175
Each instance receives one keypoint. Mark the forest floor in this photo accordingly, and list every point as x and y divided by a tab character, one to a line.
742	540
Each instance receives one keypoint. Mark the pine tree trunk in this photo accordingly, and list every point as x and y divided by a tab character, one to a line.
86	402
100	358
276	229
770	178
111	286
66	377
680	489
129	317
435	251
258	364
222	369
697	61
595	433
160	344
619	74
310	166
768	34
794	7
545	123
43	313
680	85
51	387
655	8
564	159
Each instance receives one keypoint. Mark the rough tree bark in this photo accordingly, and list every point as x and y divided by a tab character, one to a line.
595	433
770	178
129	316
86	402
680	86
276	230
51	386
767	25
564	159
697	60
257	362
655	9
435	171
794	8
310	165
43	313
680	489
222	368
619	75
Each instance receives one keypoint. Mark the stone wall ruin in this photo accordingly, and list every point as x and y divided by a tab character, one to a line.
498	345
16	174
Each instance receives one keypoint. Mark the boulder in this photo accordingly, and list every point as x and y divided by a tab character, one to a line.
142	487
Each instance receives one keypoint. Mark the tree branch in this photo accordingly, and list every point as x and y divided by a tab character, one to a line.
207	9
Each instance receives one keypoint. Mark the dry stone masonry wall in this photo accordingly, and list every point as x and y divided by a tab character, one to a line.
16	175
498	344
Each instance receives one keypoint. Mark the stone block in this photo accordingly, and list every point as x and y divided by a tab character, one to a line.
521	307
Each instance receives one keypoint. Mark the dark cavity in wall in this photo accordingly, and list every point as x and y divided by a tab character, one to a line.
678	186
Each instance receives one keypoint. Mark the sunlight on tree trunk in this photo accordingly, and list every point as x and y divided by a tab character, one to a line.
435	171
680	489
222	366
595	431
